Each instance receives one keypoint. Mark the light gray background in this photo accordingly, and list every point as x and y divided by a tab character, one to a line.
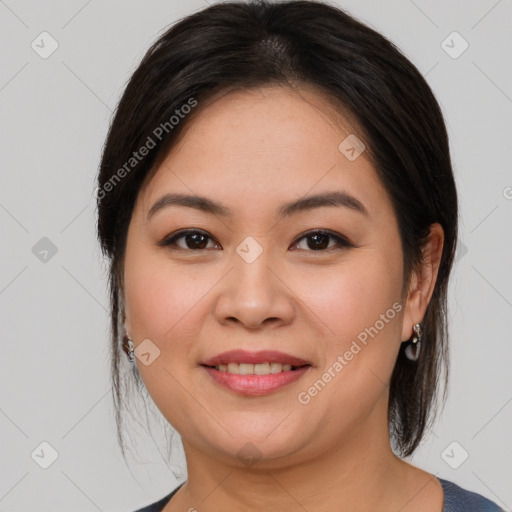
54	367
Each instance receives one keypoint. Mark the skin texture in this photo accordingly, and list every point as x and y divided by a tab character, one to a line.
254	151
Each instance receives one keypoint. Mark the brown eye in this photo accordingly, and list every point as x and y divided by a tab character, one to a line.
319	241
192	239
197	240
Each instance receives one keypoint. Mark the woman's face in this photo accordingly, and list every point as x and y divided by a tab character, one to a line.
255	279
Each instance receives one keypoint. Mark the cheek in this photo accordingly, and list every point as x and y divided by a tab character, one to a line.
352	297
164	304
162	300
359	315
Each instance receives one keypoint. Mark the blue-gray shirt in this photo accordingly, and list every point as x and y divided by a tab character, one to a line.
456	499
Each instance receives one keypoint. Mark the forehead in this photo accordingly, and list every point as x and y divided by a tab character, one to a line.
263	144
259	120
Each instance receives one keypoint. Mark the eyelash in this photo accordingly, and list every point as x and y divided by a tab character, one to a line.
341	241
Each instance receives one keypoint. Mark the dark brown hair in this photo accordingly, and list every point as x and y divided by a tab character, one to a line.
250	44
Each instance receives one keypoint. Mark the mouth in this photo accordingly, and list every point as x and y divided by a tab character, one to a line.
255	373
244	359
266	368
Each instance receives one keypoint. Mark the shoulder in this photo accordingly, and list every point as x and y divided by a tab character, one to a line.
457	499
160	504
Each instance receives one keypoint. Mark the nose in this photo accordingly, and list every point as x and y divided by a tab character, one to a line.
255	294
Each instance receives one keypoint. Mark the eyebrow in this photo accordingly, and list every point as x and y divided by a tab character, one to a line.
338	198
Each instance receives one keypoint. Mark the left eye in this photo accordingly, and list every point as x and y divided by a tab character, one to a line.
319	240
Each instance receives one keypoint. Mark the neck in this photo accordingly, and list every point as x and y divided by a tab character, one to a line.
358	472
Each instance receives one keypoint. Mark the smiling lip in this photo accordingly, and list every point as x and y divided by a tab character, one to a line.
263	356
255	384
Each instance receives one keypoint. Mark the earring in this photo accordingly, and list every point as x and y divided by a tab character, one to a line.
130	348
130	351
412	350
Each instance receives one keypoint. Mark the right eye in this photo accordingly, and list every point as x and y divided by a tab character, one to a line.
193	240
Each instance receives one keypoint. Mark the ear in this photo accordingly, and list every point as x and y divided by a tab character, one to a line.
423	281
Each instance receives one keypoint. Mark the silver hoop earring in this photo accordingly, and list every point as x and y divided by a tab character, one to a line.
413	348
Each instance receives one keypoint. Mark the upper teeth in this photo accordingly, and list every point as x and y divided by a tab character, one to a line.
254	369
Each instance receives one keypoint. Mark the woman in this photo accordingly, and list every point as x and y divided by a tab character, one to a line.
277	203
